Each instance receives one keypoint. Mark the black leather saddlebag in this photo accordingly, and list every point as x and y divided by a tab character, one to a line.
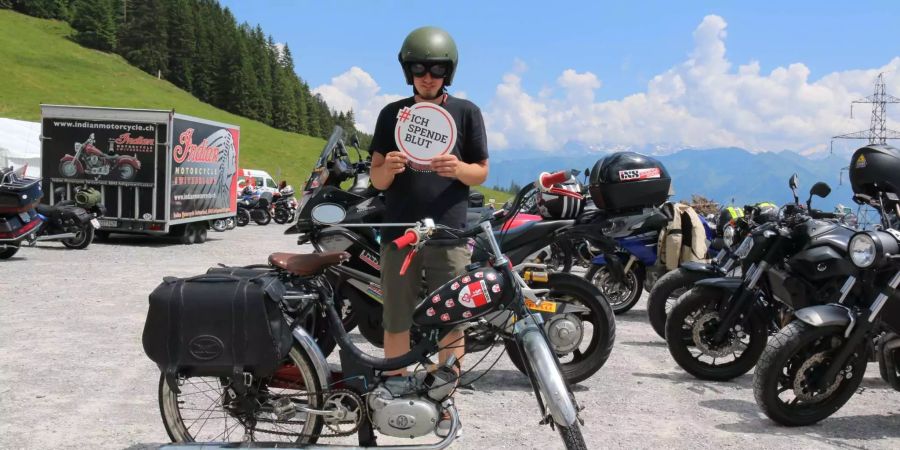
217	325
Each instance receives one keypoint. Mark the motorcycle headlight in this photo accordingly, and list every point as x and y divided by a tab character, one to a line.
728	235
862	250
873	248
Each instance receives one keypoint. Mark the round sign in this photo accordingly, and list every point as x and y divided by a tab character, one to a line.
424	131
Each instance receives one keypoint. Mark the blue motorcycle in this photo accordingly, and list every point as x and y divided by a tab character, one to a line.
635	258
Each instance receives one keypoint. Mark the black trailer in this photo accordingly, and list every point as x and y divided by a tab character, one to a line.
158	172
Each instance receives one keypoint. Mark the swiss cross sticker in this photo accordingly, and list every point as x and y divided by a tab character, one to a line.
474	295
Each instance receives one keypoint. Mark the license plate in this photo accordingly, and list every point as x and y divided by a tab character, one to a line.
95	223
25	217
545	306
108	223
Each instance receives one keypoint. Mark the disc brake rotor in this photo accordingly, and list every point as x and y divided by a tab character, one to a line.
802	388
701	331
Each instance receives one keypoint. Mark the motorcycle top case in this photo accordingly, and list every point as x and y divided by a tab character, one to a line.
627	180
464	298
19	194
217	325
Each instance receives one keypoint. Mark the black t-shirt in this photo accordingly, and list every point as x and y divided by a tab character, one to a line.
414	194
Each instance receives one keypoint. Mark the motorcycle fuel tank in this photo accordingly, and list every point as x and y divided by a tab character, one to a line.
464	298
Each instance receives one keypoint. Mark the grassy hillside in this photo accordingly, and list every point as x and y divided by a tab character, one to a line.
39	64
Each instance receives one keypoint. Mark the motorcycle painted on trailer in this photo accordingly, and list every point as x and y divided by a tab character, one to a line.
719	328
90	160
304	400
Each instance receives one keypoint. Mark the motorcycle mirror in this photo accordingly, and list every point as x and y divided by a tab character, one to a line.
820	189
328	214
794	182
354	141
587	173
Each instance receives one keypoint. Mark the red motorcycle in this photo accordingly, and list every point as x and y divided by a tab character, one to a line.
90	160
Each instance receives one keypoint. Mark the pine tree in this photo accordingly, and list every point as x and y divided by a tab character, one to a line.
143	39
182	43
94	24
46	9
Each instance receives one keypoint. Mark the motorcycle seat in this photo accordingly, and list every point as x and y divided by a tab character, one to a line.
530	231
46	210
306	264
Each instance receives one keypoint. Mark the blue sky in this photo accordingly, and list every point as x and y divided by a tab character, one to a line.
613	50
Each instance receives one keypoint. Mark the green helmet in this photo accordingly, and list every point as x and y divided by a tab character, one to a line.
428	44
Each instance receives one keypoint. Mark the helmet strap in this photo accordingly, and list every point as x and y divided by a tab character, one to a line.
441	93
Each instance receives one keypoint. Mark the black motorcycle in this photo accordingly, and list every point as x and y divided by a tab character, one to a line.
72	222
253	206
283	389
285	206
719	328
18	219
669	287
815	364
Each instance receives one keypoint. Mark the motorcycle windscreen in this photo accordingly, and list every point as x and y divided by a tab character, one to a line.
463	299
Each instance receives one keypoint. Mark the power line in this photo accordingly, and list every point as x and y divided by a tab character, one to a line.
878	133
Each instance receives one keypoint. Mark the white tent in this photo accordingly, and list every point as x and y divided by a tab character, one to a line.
20	144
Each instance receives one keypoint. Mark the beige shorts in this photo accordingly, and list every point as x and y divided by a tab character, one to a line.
436	264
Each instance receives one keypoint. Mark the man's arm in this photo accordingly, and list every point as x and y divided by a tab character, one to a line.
385	167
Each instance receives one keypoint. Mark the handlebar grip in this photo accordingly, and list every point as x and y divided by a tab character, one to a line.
408	238
549	179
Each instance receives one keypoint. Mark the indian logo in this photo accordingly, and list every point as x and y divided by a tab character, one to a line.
474	295
206	347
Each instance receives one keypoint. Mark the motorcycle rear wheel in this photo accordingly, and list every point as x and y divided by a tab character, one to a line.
9	251
82	239
262	216
126	172
589	357
665	293
801	350
242	218
209	392
281	216
621	299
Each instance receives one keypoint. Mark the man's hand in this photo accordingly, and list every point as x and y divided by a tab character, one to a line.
446	165
395	162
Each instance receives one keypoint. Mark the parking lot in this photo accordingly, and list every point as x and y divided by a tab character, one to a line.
73	373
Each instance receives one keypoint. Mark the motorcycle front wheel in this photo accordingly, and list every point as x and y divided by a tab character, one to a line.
622	296
262	216
582	341
68	169
82	238
787	385
281	216
689	336
206	411
242	218
665	293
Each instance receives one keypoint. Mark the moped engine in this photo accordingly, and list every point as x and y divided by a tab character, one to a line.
407	407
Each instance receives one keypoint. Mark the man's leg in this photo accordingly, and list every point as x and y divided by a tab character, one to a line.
441	265
400	297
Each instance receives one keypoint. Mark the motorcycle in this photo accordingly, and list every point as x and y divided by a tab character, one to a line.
815	364
253	206
69	221
579	324
90	160
637	252
18	218
284	207
303	400
719	328
668	288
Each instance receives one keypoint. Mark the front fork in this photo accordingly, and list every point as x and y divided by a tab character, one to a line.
543	370
742	303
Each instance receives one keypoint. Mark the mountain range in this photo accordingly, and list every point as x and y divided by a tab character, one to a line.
725	175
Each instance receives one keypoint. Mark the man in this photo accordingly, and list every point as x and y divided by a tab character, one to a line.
413	192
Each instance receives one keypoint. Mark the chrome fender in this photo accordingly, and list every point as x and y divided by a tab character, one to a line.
308	344
545	368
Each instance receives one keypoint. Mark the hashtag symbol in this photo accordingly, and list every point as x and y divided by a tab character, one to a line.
404	115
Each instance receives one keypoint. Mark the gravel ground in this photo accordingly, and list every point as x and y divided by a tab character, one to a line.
73	372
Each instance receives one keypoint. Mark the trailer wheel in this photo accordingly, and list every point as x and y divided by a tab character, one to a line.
201	234
185	234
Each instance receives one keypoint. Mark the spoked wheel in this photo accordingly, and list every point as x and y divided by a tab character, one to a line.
206	411
582	341
242	218
689	336
788	385
621	296
665	294
571	436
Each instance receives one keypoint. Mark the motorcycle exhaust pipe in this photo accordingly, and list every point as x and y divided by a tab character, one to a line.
54	237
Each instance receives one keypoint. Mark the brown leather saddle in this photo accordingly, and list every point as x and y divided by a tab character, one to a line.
306	264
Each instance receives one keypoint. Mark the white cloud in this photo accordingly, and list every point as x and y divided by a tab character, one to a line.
355	89
701	102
